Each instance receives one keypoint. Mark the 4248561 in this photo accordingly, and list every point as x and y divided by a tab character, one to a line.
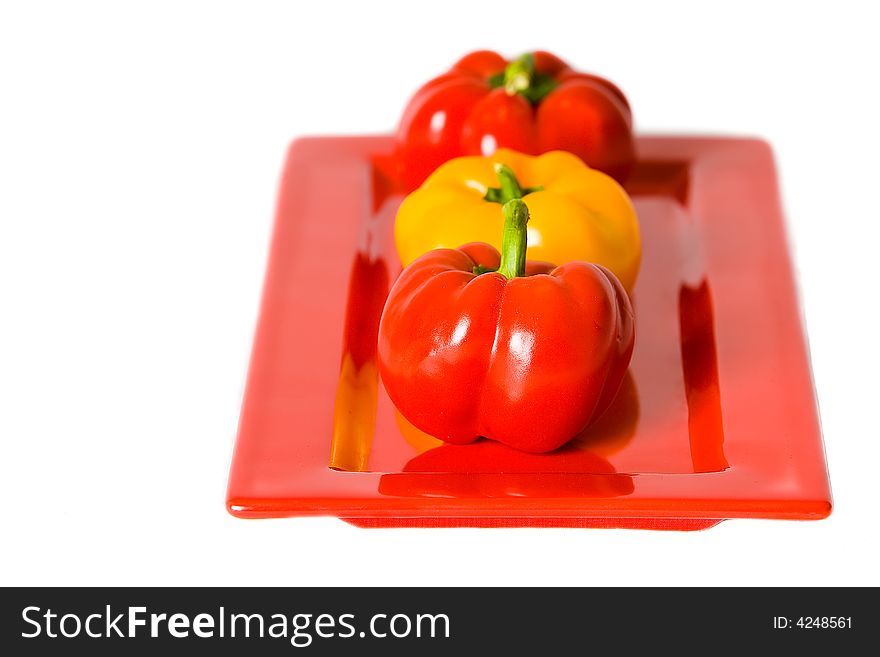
813	623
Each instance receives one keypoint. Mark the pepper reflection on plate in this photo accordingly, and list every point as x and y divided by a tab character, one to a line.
490	469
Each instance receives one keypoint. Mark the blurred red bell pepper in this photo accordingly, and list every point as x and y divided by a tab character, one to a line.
534	104
473	343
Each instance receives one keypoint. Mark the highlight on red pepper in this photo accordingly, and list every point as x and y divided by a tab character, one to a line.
533	104
476	343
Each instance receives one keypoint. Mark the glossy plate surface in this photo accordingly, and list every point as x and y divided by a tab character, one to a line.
716	419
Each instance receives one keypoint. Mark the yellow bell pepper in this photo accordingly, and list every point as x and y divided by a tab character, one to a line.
577	213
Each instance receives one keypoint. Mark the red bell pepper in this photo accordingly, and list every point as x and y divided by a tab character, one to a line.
533	104
476	343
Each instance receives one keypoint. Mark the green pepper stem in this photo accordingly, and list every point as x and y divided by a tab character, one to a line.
519	73
509	188
514	240
522	77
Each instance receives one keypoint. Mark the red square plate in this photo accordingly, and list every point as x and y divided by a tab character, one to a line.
716	419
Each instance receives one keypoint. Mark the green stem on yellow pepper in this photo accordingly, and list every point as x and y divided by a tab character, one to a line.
509	186
514	240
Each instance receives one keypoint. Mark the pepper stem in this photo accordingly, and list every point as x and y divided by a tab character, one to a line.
519	73
514	240
509	188
522	77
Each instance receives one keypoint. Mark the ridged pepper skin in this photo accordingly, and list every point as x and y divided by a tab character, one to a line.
577	213
535	103
528	361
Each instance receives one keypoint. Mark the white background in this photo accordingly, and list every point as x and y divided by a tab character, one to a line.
140	148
